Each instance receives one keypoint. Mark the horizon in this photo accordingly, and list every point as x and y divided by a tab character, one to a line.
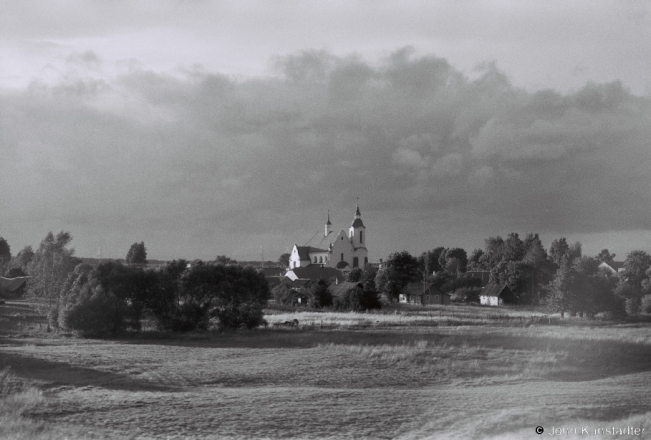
209	129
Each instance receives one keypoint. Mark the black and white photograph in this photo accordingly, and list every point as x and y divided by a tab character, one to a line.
325	219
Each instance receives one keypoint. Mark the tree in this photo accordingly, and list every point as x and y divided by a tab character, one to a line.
429	261
493	252
225	261
354	275
401	269
283	260
137	254
50	265
368	277
475	260
454	261
558	250
514	249
22	259
5	254
605	256
319	296
516	274
635	268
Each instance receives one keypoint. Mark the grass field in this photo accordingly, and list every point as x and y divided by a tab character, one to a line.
454	373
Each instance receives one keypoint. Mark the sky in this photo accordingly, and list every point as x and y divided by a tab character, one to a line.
209	128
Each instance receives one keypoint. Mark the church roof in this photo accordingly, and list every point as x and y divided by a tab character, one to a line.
314	272
303	251
357	223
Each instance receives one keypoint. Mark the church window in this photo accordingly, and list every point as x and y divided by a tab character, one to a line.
361	236
315	258
355	262
342	256
365	261
320	259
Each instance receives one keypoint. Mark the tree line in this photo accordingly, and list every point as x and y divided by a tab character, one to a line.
560	277
113	297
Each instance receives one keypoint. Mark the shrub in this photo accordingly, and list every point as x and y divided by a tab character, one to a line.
466	294
632	306
99	314
356	299
319	296
646	304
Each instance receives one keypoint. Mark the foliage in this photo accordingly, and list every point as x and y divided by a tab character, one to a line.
368	277
283	294
646	304
50	265
95	313
5	254
401	269
283	260
579	289
354	275
356	299
635	268
15	272
454	261
22	259
319	296
560	250
224	260
466	294
137	254
516	274
632	306
605	256
428	262
475	260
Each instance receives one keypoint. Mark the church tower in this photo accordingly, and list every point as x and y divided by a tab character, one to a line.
328	226
357	231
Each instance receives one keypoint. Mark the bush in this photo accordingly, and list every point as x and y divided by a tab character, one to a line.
99	314
357	300
319	296
632	306
466	294
646	304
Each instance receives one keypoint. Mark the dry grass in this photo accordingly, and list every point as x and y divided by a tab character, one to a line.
413	379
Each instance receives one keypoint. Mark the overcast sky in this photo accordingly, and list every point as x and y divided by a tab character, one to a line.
206	128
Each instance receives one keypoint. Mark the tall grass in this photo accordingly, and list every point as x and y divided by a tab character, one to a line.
17	399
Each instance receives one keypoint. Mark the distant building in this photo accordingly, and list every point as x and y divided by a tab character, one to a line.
497	294
423	294
613	267
13	286
343	251
315	273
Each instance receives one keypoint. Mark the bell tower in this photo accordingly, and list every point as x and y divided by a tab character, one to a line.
357	230
328	226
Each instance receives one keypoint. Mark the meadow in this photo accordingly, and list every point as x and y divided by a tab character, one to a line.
454	372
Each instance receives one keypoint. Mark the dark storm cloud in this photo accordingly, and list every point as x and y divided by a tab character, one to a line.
410	135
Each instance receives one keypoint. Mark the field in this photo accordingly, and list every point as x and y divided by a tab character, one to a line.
448	372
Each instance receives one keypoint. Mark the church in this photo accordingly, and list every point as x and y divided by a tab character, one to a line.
342	251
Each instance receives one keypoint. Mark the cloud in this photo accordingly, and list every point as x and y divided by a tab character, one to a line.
224	160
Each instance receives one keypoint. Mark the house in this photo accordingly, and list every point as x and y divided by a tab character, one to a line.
13	286
423	293
342	251
338	289
612	267
496	294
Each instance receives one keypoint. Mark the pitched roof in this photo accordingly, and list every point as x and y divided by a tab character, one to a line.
615	265
316	272
419	288
494	289
357	223
342	287
12	284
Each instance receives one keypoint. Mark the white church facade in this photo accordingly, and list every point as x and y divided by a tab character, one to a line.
344	251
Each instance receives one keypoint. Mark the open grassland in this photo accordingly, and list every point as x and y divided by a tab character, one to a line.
460	381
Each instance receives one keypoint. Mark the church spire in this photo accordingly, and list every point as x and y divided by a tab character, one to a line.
328	226
357	213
